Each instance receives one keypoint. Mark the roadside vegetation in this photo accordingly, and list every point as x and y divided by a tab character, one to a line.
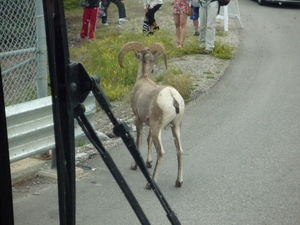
101	56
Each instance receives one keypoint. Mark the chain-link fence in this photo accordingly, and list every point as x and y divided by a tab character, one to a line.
23	53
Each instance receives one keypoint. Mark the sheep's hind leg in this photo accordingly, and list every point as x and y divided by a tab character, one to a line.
177	141
160	156
139	132
149	155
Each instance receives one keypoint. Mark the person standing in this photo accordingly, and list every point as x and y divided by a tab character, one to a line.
151	7
163	1
195	4
121	8
208	15
180	14
89	19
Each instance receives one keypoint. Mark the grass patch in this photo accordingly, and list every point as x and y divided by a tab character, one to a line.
221	33
209	75
223	51
101	57
176	78
80	143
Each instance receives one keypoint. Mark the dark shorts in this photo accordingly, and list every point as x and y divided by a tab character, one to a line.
195	15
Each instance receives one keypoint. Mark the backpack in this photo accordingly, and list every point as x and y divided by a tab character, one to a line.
101	12
223	2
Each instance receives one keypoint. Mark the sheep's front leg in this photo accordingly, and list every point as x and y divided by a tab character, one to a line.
177	141
139	133
149	155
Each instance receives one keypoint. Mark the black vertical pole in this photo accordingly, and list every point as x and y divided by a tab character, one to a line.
63	114
6	204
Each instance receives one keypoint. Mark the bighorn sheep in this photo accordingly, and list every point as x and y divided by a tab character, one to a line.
157	106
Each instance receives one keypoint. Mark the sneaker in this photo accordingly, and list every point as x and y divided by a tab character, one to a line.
105	24
196	33
122	20
205	52
78	38
201	48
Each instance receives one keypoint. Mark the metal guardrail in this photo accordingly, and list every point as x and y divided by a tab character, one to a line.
30	127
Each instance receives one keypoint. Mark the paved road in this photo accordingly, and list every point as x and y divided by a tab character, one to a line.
241	142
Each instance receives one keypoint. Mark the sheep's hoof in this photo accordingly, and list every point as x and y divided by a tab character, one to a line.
178	183
148	186
149	164
133	166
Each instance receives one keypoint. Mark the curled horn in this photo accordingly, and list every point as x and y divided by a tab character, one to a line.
157	47
130	46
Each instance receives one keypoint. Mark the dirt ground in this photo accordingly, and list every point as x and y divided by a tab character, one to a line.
195	65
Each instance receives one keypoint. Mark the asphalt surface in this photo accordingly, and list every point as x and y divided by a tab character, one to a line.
241	143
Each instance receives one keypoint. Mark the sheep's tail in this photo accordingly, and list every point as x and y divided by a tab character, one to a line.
176	105
175	102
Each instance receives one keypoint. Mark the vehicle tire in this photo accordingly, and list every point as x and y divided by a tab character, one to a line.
261	2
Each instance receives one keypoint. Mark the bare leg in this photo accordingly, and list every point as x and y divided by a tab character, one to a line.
196	25
178	28
151	29
183	21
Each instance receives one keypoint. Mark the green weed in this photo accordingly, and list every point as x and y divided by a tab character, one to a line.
81	142
223	51
176	78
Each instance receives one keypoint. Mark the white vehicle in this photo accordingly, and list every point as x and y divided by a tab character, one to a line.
280	2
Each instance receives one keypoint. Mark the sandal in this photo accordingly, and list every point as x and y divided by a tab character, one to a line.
178	45
150	33
156	28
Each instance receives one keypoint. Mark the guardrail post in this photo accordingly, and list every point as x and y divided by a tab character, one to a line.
41	78
6	205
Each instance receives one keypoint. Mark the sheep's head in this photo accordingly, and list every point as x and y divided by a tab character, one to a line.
154	51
